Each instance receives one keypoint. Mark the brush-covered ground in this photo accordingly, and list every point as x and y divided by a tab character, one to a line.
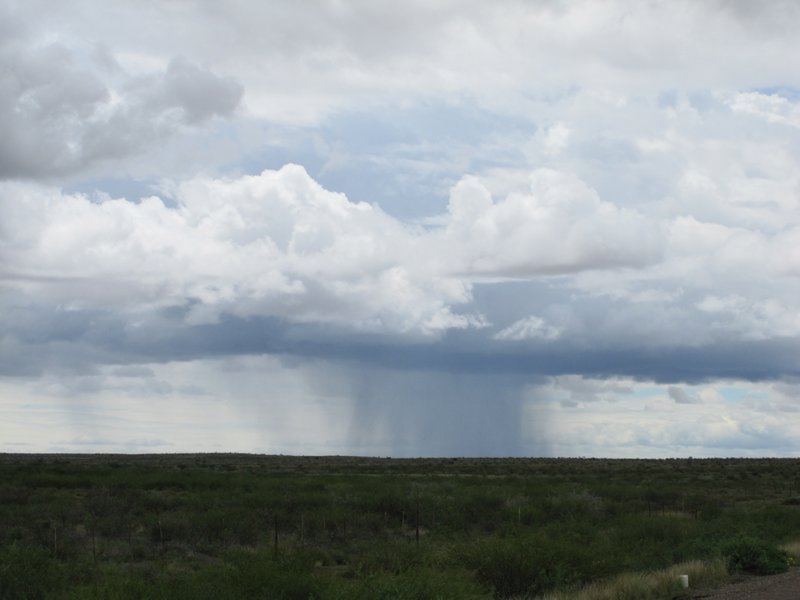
278	527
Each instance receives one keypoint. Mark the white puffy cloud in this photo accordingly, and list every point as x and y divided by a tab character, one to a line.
278	244
556	138
275	244
532	327
560	226
774	108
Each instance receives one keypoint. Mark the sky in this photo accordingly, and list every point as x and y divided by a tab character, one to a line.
449	228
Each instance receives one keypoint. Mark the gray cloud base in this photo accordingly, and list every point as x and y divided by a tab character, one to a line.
38	341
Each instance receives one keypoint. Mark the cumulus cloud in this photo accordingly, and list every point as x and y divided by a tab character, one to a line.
279	244
774	108
531	327
560	226
275	244
63	108
556	138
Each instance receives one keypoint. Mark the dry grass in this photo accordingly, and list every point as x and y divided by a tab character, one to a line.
793	548
657	585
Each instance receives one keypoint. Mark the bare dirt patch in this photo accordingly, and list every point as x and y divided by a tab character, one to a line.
785	586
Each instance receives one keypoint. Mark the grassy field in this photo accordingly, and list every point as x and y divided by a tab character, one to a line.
249	526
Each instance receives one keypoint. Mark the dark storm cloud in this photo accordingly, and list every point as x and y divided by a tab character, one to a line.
41	339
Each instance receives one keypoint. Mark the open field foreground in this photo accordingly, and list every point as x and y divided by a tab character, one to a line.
249	526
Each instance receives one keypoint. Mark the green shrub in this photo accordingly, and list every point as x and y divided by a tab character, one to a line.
532	565
750	555
418	584
27	573
257	575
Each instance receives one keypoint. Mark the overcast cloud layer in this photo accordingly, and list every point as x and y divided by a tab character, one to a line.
407	229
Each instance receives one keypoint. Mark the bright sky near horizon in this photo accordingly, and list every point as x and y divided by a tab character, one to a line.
412	229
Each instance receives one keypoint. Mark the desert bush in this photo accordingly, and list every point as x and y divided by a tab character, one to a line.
531	565
488	526
573	504
240	574
420	584
259	575
640	542
750	555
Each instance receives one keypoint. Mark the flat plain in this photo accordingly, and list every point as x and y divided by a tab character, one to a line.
257	526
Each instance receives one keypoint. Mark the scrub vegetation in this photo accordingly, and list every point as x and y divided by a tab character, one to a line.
248	526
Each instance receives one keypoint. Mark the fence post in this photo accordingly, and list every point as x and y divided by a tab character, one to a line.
275	545
417	523
94	541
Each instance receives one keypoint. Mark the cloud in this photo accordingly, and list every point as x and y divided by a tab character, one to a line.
629	212
680	396
276	263
303	63
199	93
573	391
560	226
556	138
751	319
273	244
641	419
278	244
774	108
531	327
129	445
64	108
